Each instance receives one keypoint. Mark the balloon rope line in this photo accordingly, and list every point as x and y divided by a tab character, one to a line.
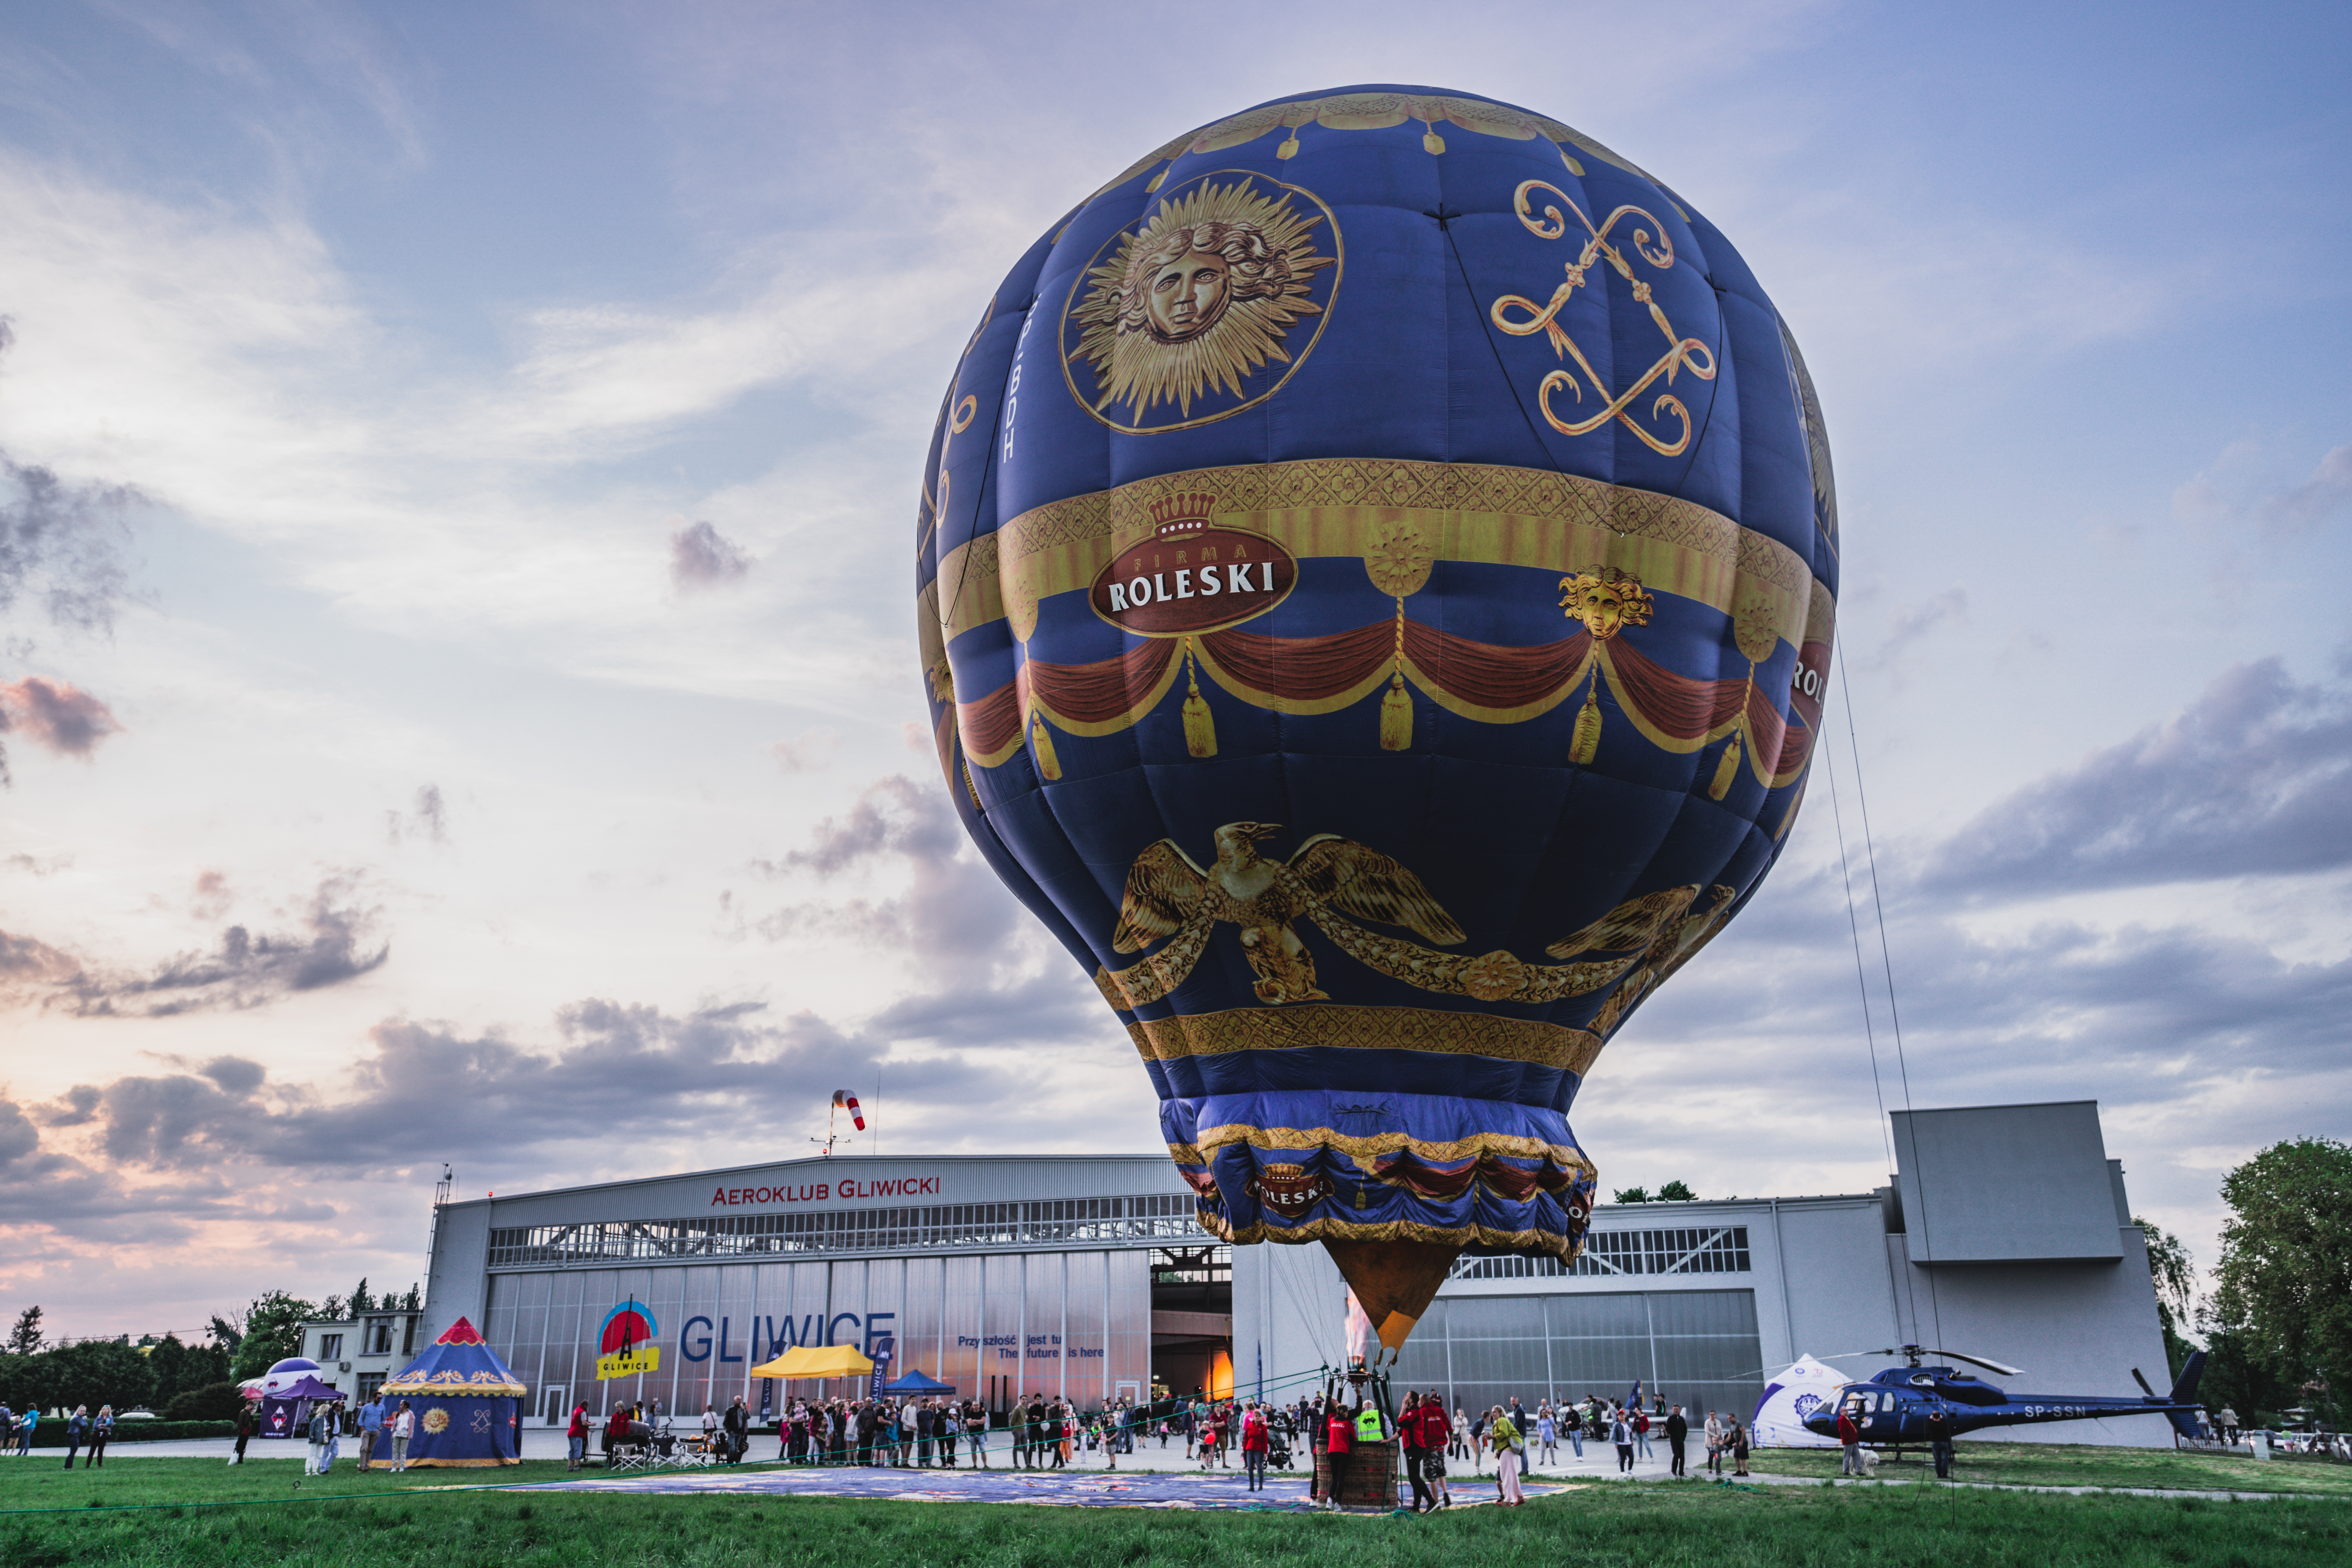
1862	983
1886	958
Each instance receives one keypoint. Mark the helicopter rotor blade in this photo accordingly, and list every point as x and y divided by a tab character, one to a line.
2144	1388
1988	1365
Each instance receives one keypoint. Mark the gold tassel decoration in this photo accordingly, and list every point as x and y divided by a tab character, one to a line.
1199	724
1431	142
1587	745
1396	707
1727	769
1290	148
1040	741
1396	717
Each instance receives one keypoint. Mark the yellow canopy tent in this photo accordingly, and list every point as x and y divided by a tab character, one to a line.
815	1361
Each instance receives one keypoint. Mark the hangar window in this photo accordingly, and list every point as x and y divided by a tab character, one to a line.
1721	1250
1145	1217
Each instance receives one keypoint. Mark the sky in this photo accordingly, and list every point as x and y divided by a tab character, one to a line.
457	679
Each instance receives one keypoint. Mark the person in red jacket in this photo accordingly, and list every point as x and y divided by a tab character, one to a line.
616	1435
1850	1434
1340	1441
1437	1431
1255	1437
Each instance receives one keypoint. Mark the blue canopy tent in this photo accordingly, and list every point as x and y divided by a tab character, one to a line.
916	1383
468	1403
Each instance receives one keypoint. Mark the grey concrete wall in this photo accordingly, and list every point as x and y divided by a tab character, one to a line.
458	1284
2004	1183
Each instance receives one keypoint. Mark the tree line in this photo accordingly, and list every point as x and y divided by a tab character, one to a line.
177	1380
2277	1324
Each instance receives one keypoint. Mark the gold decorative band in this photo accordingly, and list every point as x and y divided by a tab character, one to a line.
1322	1025
1366	1150
1377	110
1355	506
1560	1246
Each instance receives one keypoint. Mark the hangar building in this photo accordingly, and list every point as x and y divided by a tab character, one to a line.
2004	1232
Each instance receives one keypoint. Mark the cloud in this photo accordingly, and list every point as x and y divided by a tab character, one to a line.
613	1071
24	961
61	542
336	943
61	717
429	817
811	752
2254	778
702	557
2316	499
892	816
34	866
211	899
2280	511
1912	623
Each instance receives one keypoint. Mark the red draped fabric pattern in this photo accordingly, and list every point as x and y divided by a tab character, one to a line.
1311	670
1488	675
991	725
1685	709
1303	669
1101	692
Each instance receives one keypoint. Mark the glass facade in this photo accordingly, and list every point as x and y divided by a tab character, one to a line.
1705	1249
1059	1222
1073	1322
1697	1349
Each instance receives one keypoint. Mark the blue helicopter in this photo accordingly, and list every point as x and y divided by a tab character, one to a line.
1892	1409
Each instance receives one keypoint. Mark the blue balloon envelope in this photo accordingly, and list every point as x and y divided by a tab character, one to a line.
1377	566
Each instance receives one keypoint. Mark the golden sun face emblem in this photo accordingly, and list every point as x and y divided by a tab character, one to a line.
1172	326
436	1419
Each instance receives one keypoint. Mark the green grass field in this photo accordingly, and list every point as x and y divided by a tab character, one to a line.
375	1522
2082	1465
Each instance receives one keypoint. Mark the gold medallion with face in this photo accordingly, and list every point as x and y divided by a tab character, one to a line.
1189	317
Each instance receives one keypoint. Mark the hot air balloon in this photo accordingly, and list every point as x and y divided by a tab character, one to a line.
1376	568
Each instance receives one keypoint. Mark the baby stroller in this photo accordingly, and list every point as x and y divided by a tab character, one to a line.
1277	1452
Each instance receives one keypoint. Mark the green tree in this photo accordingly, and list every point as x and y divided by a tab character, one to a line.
24	1339
212	1402
1633	1195
225	1335
168	1361
100	1371
273	1330
2243	1375
2175	1274
411	1302
2286	1278
361	1300
1676	1192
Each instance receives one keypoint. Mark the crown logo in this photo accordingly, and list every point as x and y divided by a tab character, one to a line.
1186	512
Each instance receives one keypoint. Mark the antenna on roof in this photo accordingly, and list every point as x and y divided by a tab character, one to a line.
440	1201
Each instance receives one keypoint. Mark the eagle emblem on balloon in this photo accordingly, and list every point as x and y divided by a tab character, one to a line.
1381	697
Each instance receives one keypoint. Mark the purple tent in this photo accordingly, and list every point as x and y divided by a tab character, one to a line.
287	1412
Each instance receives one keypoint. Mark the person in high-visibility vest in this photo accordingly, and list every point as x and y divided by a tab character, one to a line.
1368	1428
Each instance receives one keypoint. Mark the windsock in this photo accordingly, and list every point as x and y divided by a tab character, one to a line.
848	1101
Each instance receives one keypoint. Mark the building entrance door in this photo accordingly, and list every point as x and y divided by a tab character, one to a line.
556	1404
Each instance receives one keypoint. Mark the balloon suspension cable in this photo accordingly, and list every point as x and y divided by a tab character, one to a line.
1895	1014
